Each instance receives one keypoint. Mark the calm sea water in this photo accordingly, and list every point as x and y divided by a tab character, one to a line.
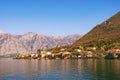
88	69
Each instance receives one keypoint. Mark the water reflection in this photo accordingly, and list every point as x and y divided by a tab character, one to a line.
88	69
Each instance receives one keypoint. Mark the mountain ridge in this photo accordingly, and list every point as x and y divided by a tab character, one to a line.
30	42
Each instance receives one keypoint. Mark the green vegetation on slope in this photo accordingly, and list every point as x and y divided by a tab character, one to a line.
109	29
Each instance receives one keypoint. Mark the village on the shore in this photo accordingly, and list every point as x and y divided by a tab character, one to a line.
73	53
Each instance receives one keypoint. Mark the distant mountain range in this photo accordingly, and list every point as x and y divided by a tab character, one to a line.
30	42
108	30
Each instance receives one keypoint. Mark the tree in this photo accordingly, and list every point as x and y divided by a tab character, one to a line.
39	52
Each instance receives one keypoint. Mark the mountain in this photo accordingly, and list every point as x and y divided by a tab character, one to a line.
30	42
108	30
1	32
103	41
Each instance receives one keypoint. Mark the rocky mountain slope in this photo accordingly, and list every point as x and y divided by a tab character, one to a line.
30	42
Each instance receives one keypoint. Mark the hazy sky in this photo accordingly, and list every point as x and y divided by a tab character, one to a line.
54	17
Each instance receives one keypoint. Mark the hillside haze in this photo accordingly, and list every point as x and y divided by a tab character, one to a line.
109	29
30	42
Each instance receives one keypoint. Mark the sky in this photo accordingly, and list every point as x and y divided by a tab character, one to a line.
54	17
